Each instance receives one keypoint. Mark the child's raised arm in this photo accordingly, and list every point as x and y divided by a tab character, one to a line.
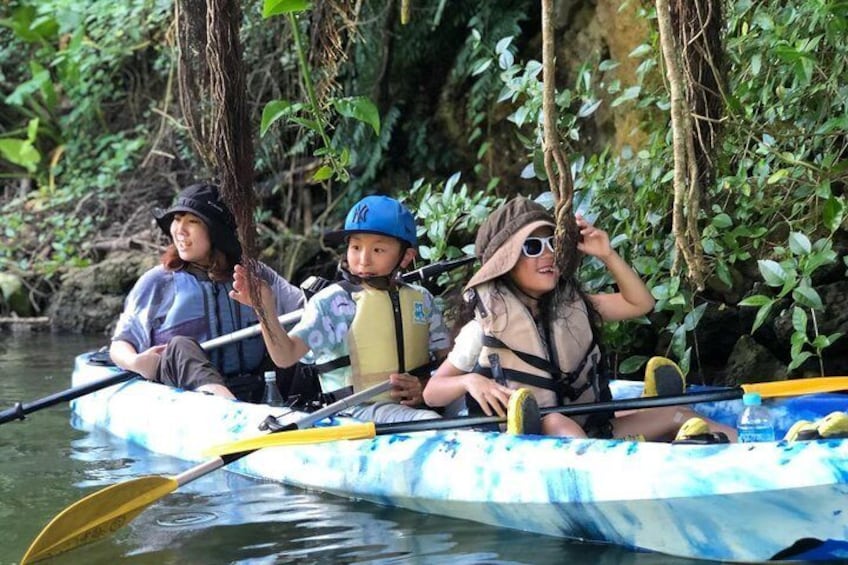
284	350
633	298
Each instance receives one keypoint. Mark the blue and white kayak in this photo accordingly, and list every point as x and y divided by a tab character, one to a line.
730	502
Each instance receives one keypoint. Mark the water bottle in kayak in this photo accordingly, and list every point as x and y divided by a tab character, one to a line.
272	396
755	422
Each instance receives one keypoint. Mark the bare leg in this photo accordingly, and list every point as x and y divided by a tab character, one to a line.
563	426
662	424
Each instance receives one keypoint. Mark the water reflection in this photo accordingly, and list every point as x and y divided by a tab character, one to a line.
227	518
46	466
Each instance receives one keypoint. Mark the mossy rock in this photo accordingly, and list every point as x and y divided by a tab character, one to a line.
13	296
91	298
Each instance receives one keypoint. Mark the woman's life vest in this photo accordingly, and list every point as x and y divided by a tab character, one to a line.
203	310
563	367
390	333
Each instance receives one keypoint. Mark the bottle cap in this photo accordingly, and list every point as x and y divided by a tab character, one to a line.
270	375
752	399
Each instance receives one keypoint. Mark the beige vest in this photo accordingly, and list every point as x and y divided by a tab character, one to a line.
375	340
503	317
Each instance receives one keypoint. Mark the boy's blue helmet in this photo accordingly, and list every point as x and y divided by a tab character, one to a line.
380	215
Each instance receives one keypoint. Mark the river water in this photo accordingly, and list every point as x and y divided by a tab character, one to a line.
46	465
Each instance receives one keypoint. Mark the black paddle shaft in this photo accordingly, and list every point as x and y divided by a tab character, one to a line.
20	410
570	410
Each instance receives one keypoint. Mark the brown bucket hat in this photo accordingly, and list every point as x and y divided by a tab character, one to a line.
499	239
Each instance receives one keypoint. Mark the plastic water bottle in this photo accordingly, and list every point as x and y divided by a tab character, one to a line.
754	422
272	395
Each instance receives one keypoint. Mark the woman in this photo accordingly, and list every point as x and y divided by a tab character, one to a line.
185	300
536	329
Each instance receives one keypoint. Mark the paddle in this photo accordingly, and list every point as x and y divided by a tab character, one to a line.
20	410
105	511
369	430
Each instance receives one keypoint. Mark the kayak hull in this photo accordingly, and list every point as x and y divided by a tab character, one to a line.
739	502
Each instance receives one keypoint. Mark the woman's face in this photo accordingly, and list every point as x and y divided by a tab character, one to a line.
536	276
191	238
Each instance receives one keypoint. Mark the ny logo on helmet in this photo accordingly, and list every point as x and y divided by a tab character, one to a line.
360	214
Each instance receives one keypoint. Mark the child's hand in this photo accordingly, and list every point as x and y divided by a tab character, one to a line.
241	291
594	241
492	397
406	389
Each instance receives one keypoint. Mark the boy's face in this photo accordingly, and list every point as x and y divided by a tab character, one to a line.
373	255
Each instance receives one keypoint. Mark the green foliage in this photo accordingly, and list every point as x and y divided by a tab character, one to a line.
448	214
22	152
68	70
312	115
780	167
792	275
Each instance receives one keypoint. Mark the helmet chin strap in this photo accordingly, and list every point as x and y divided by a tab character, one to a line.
383	282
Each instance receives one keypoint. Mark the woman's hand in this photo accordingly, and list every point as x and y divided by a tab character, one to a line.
406	389
492	397
146	363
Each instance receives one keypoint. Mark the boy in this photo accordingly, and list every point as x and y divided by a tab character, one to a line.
370	327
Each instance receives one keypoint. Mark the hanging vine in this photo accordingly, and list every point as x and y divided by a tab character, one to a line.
687	187
213	99
557	167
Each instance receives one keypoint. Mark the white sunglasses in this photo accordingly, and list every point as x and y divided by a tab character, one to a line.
535	246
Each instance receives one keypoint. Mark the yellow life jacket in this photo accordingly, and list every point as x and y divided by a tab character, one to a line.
562	368
390	333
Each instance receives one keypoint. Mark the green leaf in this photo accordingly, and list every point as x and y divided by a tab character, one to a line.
678	341
279	7
20	152
799	243
359	108
799	320
761	317
798	360
756	300
632	364
273	111
646	265
323	173
503	44
821	342
481	67
807	296
756	63
772	272
690	322
588	108
723	273
629	94
640	51
722	221
308	124
833	213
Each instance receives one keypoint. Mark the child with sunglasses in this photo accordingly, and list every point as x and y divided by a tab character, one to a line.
536	329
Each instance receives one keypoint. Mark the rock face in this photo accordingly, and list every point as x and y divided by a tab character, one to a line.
91	299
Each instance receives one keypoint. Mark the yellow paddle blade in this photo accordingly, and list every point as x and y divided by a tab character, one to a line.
97	516
366	430
523	414
798	387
